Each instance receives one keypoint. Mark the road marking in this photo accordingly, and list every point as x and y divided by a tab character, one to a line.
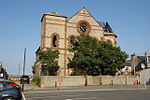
36	98
23	96
56	96
85	98
82	98
71	95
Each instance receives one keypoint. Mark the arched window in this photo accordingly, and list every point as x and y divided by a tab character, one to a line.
55	39
71	40
109	41
115	43
95	38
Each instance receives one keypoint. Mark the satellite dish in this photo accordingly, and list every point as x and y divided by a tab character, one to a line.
142	65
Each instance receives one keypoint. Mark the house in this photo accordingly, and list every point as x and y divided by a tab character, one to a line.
147	55
138	63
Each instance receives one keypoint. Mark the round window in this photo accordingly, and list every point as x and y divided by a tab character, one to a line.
83	27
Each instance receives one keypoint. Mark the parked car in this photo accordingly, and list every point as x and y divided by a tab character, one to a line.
10	91
25	79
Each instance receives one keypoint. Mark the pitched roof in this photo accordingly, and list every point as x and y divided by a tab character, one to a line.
141	57
84	10
128	63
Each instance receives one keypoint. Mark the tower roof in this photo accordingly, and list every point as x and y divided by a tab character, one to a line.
55	14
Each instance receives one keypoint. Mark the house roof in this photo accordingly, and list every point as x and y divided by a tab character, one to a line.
128	63
141	57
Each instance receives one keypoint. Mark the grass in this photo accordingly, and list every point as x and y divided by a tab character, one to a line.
36	81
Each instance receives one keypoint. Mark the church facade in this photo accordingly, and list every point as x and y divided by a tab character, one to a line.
56	31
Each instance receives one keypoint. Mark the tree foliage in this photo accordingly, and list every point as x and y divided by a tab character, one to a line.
48	60
92	57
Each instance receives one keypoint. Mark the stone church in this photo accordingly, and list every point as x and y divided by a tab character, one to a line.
57	29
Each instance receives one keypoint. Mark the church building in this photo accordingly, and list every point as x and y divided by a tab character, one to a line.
57	29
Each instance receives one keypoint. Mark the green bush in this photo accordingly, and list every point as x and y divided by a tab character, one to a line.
36	81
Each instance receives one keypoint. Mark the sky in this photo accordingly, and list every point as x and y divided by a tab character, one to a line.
20	26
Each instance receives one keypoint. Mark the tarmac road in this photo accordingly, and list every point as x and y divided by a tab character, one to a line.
91	95
88	93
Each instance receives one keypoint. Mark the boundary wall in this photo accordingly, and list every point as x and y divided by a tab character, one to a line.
55	81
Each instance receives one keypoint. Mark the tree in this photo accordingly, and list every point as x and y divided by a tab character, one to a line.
113	58
92	57
49	61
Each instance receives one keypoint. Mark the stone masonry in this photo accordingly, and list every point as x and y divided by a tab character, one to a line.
56	31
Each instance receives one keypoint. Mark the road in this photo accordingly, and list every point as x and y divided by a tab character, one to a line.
139	94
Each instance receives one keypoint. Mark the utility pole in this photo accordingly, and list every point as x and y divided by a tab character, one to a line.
19	70
24	63
1	66
0	63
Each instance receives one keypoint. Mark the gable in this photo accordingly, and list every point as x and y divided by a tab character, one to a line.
83	14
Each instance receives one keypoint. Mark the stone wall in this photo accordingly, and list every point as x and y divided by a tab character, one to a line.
54	81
